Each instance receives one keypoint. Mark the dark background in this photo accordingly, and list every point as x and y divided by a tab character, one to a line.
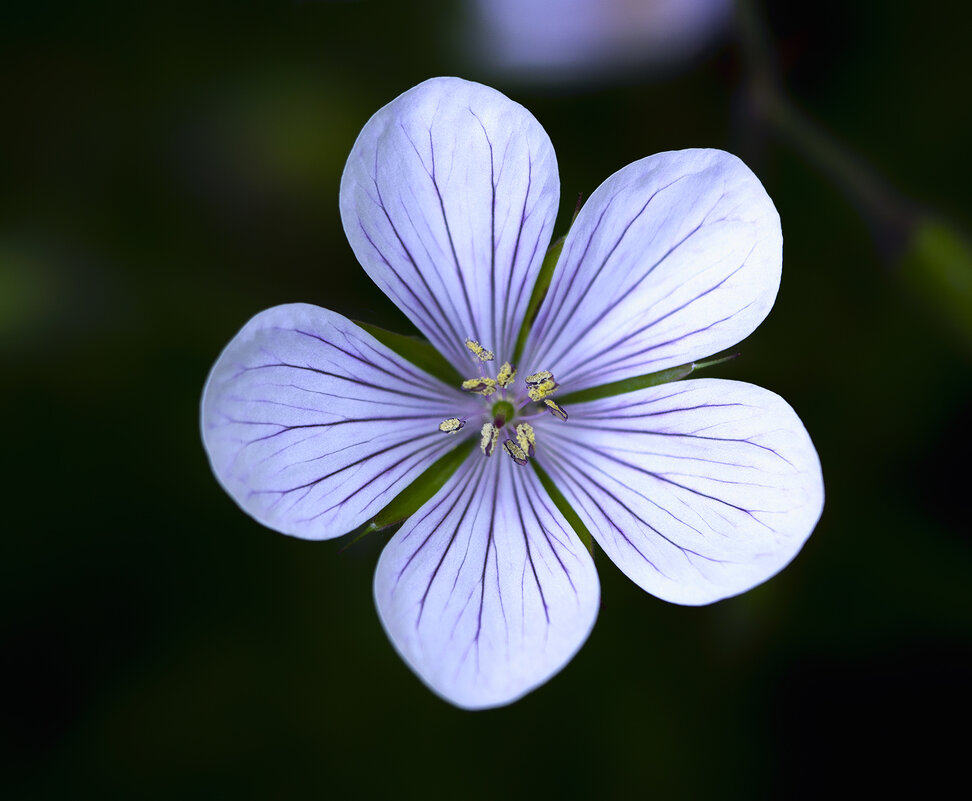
168	172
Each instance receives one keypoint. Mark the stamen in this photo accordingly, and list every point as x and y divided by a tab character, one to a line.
538	392
526	438
539	378
555	409
481	386
451	426
515	452
506	375
490	435
520	442
479	351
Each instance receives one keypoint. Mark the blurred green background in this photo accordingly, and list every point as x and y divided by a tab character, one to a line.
169	171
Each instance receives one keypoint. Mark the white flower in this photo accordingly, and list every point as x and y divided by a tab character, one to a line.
585	40
697	490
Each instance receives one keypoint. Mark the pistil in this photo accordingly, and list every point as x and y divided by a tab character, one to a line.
503	413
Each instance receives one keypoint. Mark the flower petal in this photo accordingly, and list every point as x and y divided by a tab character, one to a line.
486	592
697	490
448	200
573	41
673	258
312	425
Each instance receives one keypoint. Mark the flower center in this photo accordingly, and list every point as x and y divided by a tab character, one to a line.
498	415
503	412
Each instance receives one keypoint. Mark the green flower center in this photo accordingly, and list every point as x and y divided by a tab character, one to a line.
503	412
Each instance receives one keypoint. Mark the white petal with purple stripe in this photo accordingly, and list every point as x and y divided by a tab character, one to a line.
486	592
673	258
312	425
697	490
448	200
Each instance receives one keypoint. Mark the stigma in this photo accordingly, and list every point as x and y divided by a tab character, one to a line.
507	409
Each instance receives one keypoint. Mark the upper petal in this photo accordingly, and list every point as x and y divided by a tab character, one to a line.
312	425
673	258
585	40
486	592
697	490
448	200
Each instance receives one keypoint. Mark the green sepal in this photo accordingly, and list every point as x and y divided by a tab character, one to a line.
565	508
412	498
544	277
639	382
418	351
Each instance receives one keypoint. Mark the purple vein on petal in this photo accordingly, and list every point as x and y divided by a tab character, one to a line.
452	245
719	473
312	425
605	454
563	469
492	234
617	345
432	319
617	301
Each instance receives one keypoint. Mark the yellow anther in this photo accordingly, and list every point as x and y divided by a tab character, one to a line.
481	386
539	378
526	438
490	435
451	426
555	409
515	452
538	392
506	375
479	351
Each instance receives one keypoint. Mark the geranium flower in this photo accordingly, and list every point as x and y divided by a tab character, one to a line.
697	490
585	40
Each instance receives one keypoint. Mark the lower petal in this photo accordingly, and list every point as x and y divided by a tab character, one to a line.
486	592
697	490
312	425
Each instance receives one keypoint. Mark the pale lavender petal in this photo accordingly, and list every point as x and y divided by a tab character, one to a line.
673	258
697	490
581	40
486	592
312	425
448	200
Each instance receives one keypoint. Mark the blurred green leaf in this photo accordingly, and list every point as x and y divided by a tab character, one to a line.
27	296
937	266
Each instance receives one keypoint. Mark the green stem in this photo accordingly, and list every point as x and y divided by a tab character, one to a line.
888	212
931	257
